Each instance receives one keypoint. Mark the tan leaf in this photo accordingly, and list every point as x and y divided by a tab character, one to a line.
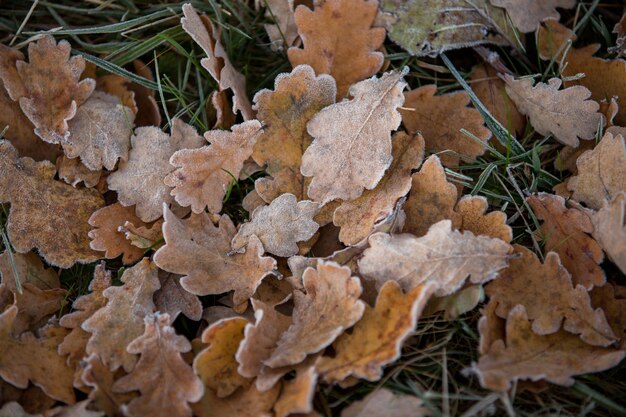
106	237
40	205
172	299
159	366
73	172
143	237
216	365
338	39
526	355
30	270
203	175
100	132
357	218
119	87
207	36
296	396
526	15
140	179
148	111
284	32
120	321
330	305
280	225
98	376
48	87
249	402
475	219
377	338
566	231
197	249
601	173
440	120
609	229
75	410
444	256
352	140
612	300
454	305
28	358
383	402
549	297
567	114
13	409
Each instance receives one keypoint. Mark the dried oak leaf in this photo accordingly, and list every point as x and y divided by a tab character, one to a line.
296	396
357	218
383	402
75	410
140	179
351	149
216	365
429	27
118	86
249	402
33	359
14	409
526	355
280	225
609	229
440	120
283	33
48	87
567	114
527	15
73	172
601	173
142	236
199	250
549	297
39	210
115	325
100	132
148	111
207	36
444	256
475	219
167	384
329	305
338	39
612	300
456	304
203	175
172	299
377	338
620	42
97	375
106	237
284	114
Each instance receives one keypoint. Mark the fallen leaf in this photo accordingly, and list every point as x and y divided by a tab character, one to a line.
13	409
75	410
620	42
280	225
454	305
139	181
475	219
172	299
249	402
444	256
611	299
283	33
338	39
351	149
609	229
118	86
525	355
358	218
527	15
550	298
566	231
383	402
377	338
142	236
197	249
296	396
148	111
73	172
39	206
440	120
203	175
115	325
97	375
159	365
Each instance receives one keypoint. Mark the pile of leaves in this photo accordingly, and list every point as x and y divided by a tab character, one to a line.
359	224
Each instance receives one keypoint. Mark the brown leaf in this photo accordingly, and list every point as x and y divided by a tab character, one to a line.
284	32
39	210
73	172
207	36
358	218
172	299
148	111
98	376
567	114
100	132
526	355
142	236
475	219
13	409
440	118
338	39
329	306
159	366
119	87
609	229
456	304
352	140
140	179
612	300
444	256
216	365
106	237
280	225
377	338
601	173
197	249
296	396
566	231
48	87
120	321
249	402
549	297
203	175
75	410
383	402
526	15
28	358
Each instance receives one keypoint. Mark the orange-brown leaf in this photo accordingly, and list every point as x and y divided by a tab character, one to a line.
474	218
172	299
296	396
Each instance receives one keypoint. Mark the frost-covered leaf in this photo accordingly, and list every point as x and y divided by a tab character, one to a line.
609	229
526	15
172	299
383	402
